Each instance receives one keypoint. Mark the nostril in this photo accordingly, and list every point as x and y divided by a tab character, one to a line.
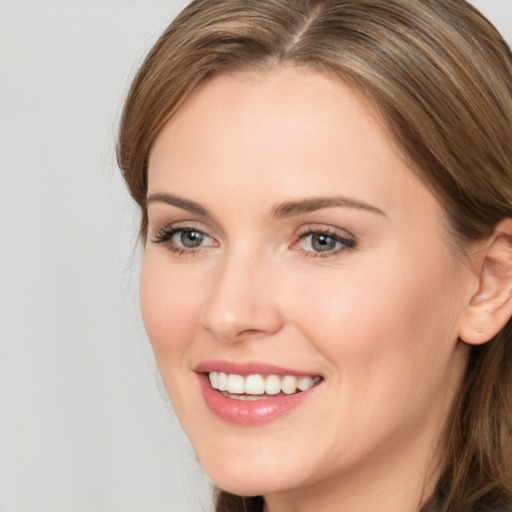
251	333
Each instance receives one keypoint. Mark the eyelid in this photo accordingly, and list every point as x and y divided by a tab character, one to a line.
316	227
185	225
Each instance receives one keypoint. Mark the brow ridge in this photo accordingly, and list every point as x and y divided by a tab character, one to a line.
308	205
184	204
286	209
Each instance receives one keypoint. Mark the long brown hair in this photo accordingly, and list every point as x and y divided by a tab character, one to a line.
441	76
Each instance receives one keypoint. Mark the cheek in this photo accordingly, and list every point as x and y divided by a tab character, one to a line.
389	337
389	321
169	304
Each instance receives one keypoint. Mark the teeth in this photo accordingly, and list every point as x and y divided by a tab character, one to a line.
289	384
304	383
236	384
223	382
258	385
214	379
254	385
272	385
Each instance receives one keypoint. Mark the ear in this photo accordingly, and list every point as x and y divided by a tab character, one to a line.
490	301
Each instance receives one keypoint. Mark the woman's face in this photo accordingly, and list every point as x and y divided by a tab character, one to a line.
290	242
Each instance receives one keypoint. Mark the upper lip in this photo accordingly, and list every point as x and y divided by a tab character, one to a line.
249	368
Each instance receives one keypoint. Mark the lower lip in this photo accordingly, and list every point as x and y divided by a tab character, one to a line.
250	412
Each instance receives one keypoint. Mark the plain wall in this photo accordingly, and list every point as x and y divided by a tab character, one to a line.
84	426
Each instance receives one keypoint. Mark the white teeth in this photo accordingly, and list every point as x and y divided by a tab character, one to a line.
272	385
223	382
258	385
254	385
236	384
304	383
214	379
289	384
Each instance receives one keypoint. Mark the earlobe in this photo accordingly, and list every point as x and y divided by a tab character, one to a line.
490	307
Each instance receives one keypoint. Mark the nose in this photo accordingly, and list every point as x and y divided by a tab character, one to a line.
242	303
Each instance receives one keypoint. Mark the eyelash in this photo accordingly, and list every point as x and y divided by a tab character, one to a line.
164	237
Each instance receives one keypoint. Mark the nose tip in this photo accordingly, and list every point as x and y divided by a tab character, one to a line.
241	306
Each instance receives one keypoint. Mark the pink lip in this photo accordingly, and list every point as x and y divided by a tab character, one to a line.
249	368
253	412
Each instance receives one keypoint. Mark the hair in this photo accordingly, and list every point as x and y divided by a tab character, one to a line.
441	77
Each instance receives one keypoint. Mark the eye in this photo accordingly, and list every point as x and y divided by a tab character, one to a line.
182	240
189	239
323	242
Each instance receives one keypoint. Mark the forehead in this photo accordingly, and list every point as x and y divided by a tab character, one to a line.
284	132
279	109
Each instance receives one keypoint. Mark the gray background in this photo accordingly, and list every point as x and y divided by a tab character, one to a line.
83	423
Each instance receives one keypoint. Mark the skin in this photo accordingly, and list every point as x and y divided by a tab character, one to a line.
378	318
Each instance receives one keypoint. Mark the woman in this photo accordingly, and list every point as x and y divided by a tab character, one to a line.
326	198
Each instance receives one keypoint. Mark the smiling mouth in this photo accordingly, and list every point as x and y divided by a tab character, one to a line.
259	387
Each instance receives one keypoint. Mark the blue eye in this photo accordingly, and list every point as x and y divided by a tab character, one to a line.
182	240
189	238
324	243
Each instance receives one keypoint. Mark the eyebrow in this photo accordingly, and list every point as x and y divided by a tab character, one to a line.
291	208
287	209
184	204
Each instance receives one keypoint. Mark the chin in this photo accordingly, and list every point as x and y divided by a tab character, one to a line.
247	485
249	476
